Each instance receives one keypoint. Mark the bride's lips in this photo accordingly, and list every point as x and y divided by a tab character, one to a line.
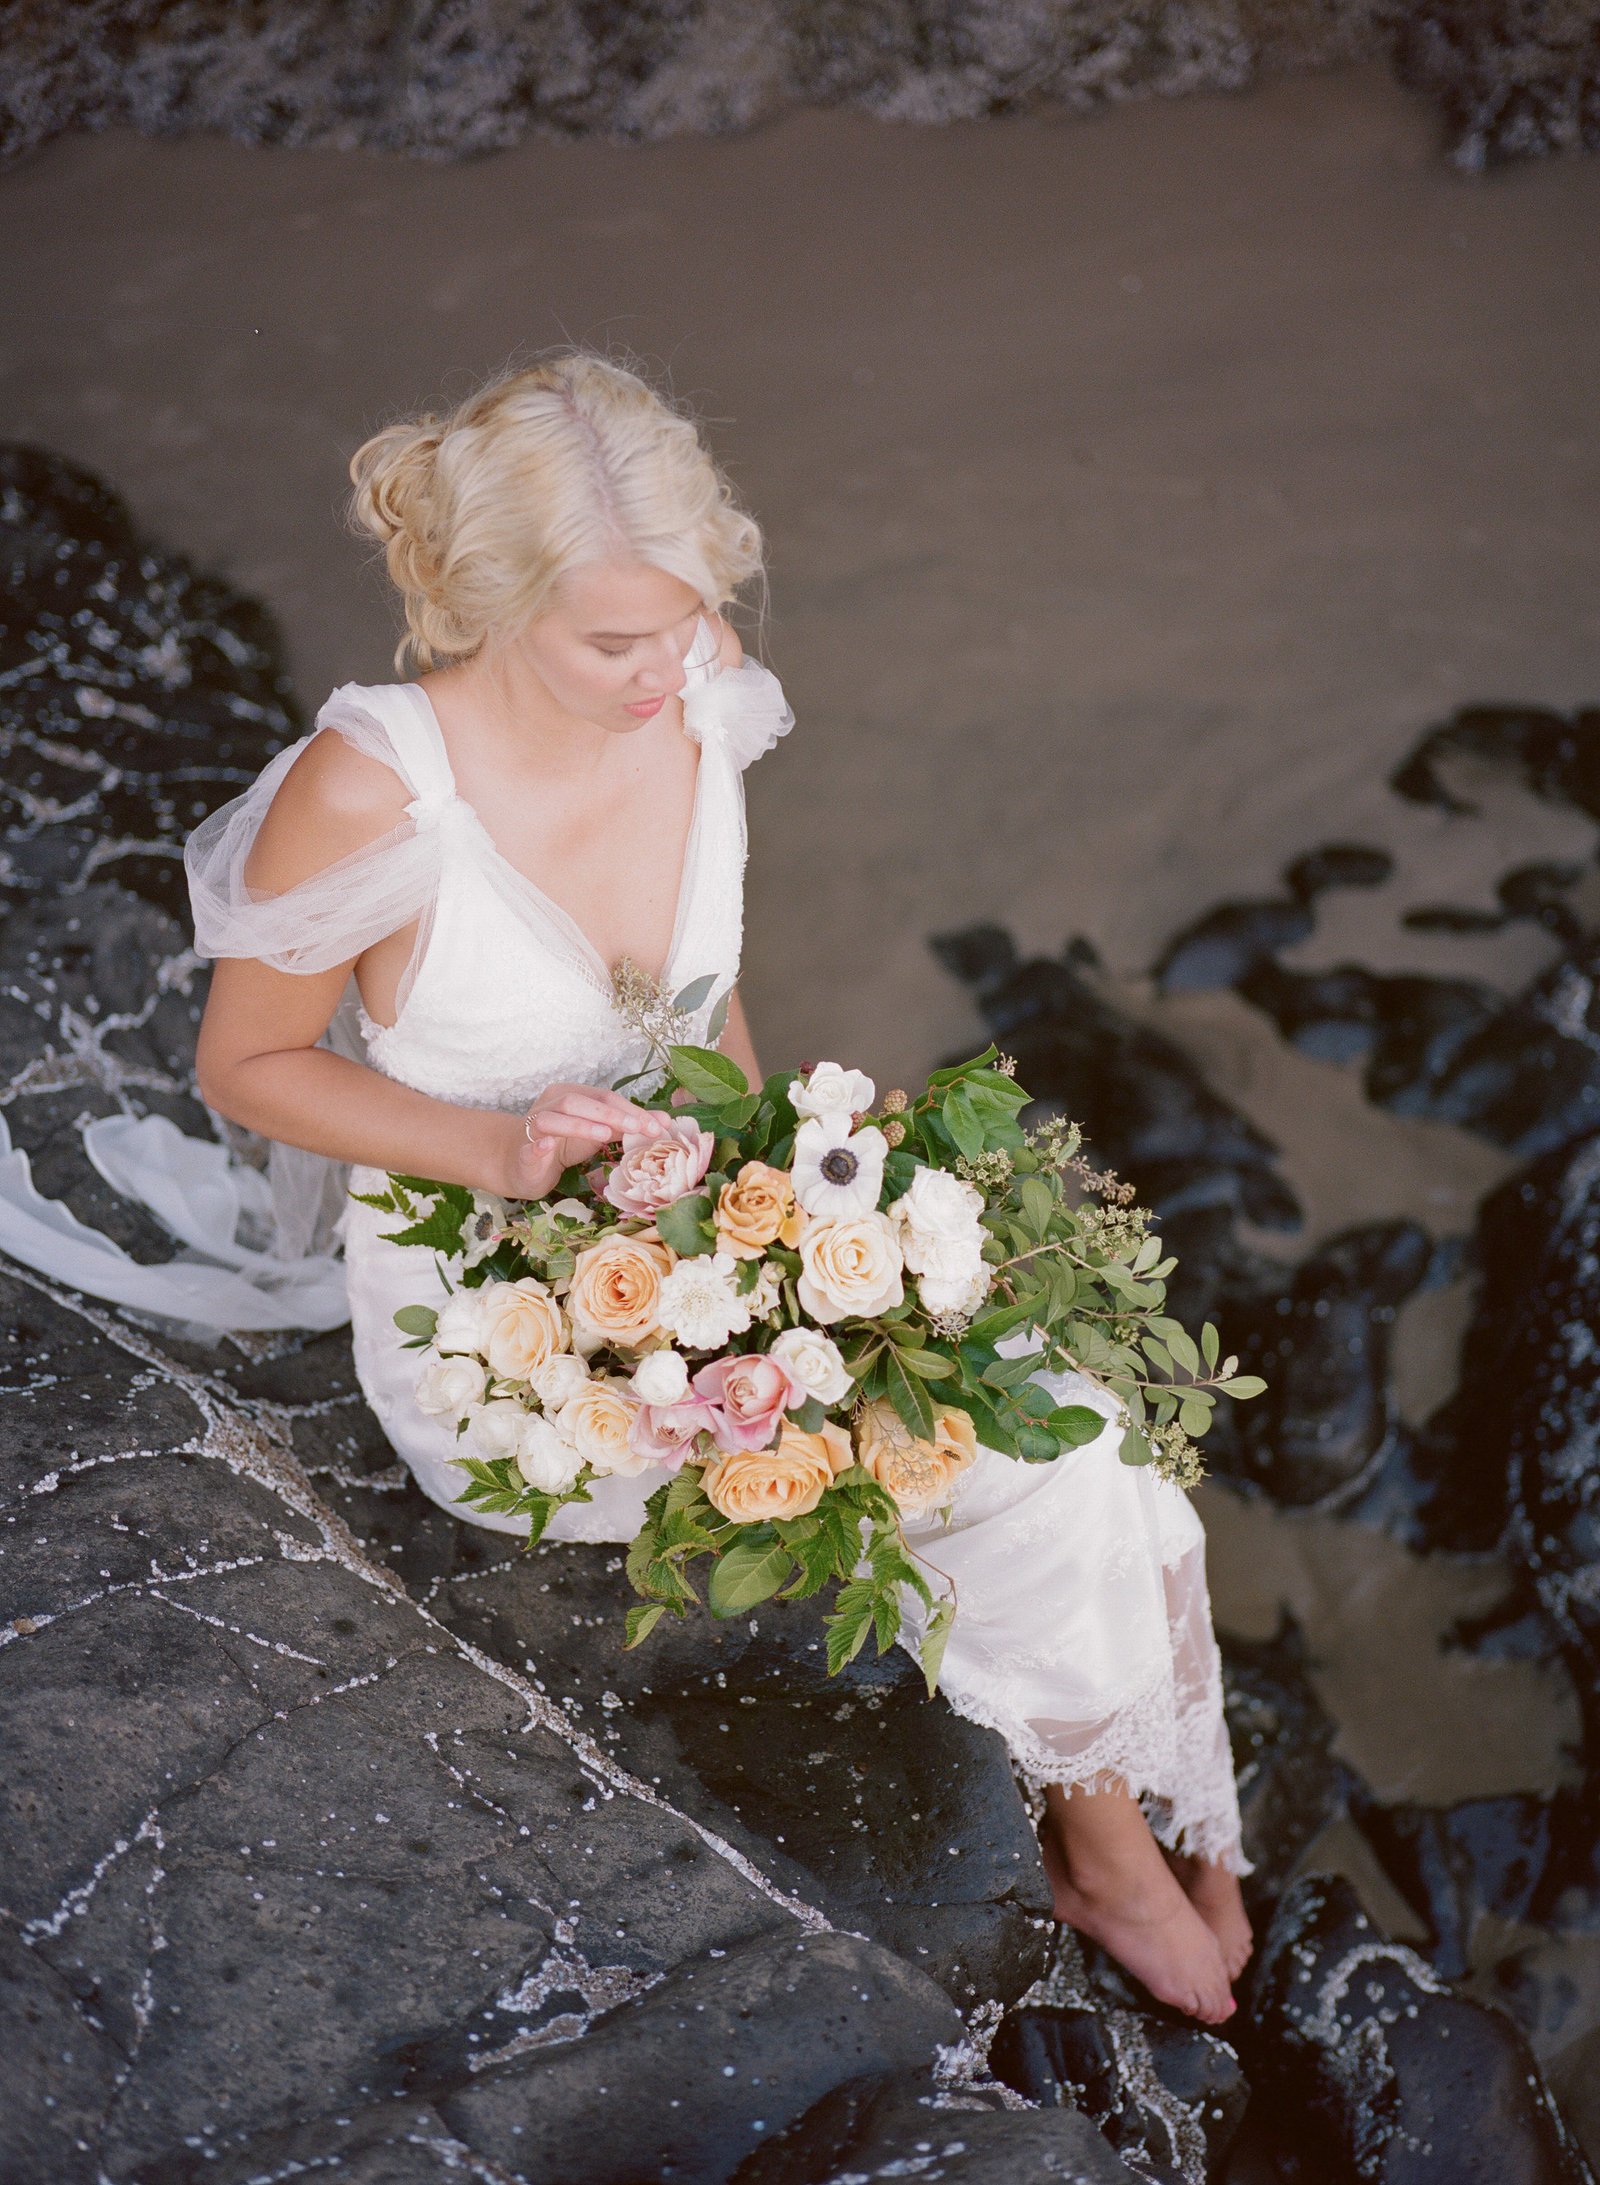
648	709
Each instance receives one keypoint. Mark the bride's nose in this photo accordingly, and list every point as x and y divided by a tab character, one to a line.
666	676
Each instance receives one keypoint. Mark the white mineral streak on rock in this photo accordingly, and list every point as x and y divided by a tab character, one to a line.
254	1443
961	2068
564	1972
86	1061
1185	2132
76	1901
1322	2025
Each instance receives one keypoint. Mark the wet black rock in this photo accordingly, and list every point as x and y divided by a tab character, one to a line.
1290	1785
1319	1334
1229	941
1369	2068
1513	1454
135	695
1145	1107
277	1845
1167	2096
1525	1859
1517	79
889	1811
1557	755
100	1001
901	2126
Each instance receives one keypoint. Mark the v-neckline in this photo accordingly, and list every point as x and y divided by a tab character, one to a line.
561	918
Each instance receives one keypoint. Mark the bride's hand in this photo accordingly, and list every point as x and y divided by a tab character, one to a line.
569	1124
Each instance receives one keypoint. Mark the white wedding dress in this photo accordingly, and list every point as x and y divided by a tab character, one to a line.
1083	1633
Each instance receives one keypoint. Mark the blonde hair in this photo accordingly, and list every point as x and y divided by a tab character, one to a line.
575	461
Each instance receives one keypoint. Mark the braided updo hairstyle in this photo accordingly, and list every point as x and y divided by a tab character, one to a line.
573	462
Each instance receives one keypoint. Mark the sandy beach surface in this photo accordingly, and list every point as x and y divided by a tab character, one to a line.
1138	490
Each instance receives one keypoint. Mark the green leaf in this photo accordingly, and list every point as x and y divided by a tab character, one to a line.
751	1570
1183	1349
418	1320
1243	1385
1135	1449
1011	1372
706	1075
687	1226
382	1200
961	1121
641	1620
818	1563
909	1397
931	1651
689	998
719	1019
1077	1424
929	1365
1037	1202
992	1326
439	1231
810	1415
1194	1416
1035	1442
958	1070
1210	1343
849	1624
1158	1354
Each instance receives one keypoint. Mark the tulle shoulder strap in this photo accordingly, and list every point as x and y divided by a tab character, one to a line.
396	724
741	709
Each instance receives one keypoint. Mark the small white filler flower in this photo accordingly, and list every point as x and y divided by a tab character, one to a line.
699	1305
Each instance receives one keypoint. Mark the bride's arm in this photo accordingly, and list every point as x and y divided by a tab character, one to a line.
258	1060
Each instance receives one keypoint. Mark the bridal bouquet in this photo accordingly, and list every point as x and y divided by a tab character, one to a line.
805	1316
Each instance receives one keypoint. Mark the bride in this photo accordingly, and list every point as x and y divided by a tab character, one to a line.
560	788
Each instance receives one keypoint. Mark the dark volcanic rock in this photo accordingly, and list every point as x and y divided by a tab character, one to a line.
900	2126
1517	79
1557	756
1145	1107
1169	2097
1522	1858
1369	2068
888	1810
274	1842
1290	1785
135	695
100	1000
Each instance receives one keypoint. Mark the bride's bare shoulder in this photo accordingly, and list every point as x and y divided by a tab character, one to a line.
333	801
730	653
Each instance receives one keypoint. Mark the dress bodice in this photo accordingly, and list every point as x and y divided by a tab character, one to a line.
504	994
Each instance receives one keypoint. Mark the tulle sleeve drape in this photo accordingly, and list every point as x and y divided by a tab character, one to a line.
334	915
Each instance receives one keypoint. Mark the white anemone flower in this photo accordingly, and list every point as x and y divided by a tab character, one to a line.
831	1091
838	1173
482	1229
698	1304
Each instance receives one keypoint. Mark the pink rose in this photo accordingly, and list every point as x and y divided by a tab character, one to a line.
748	1397
665	1432
654	1171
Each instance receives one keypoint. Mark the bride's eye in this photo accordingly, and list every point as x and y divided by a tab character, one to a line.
614	652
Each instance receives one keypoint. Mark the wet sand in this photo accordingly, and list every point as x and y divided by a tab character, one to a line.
1138	489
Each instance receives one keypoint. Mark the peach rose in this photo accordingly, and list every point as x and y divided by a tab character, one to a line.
598	1422
522	1327
748	1485
919	1474
616	1291
851	1266
756	1209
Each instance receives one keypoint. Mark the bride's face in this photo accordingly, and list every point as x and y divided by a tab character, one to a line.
610	647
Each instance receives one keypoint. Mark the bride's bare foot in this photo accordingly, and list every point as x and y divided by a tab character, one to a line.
1214	1893
1112	1883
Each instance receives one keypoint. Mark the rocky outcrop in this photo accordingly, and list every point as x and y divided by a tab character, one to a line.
1369	2068
459	77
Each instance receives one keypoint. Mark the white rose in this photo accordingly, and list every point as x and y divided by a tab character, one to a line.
831	1092
962	1290
546	1459
559	1379
813	1360
447	1388
524	1327
498	1427
699	1305
460	1325
765	1297
851	1268
939	1211
838	1172
661	1377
